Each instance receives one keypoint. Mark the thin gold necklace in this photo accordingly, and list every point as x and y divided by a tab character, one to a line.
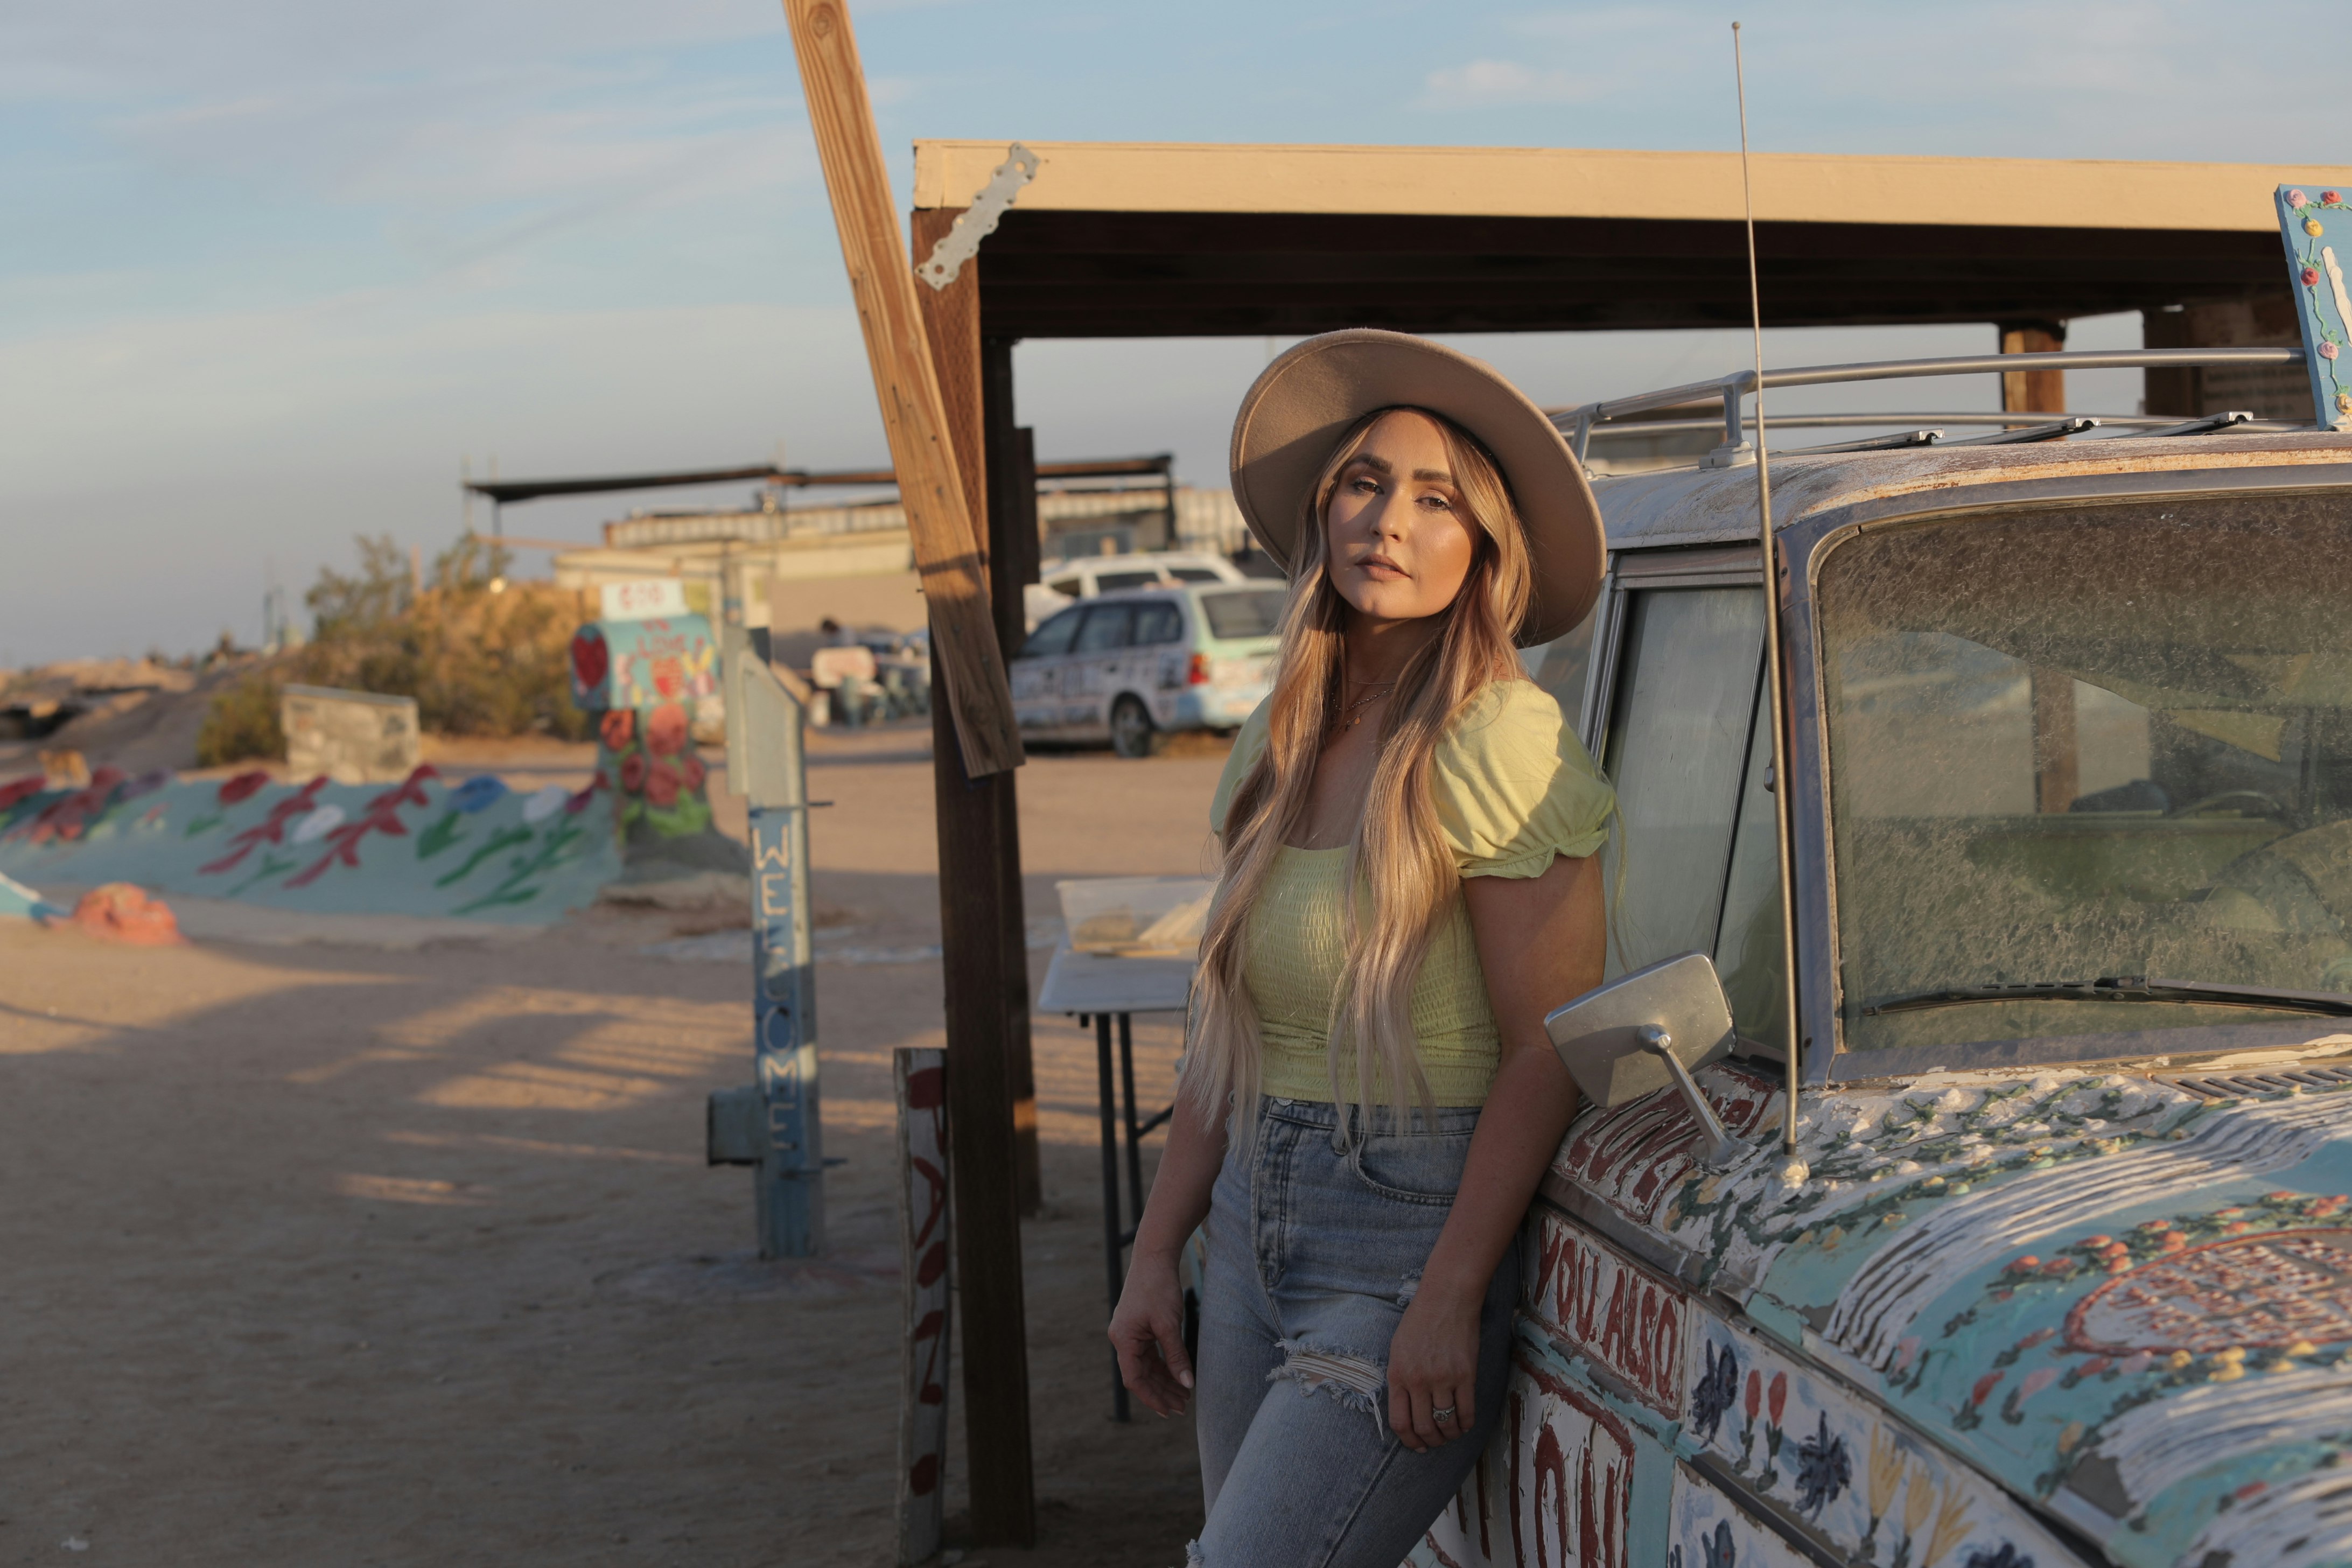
1356	707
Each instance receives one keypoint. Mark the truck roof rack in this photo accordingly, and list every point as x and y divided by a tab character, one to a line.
1616	417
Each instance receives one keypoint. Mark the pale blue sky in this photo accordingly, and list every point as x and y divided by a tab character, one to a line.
271	266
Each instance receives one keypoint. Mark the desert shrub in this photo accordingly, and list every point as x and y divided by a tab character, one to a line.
477	662
240	722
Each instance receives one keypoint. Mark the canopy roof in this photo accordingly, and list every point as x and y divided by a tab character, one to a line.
1127	239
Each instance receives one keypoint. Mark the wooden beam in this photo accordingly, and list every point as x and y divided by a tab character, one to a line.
971	815
975	379
1009	511
984	964
2032	391
914	415
1564	182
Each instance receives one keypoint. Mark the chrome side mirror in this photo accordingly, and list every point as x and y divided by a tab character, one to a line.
1645	1031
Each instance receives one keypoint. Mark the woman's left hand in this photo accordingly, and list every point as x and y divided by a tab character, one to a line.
1433	1370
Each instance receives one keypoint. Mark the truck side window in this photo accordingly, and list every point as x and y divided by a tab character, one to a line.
1679	738
1748	944
1563	665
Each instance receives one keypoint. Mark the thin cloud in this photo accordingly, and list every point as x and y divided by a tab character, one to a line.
1487	84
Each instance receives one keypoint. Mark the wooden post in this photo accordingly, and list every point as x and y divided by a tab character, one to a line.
2267	320
2057	751
2032	391
914	415
1011	568
921	1077
985	962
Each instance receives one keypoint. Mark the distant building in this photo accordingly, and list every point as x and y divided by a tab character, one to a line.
789	567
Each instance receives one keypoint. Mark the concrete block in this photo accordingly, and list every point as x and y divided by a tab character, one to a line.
353	737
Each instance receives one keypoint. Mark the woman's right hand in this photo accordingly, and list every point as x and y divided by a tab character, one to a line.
1147	1333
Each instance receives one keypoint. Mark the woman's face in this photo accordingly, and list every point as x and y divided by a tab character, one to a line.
1401	545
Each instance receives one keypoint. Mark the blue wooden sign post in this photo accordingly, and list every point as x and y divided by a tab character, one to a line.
773	1124
2305	218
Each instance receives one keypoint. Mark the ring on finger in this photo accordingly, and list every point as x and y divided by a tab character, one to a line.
1442	1413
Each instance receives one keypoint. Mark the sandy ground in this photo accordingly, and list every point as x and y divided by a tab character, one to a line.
334	1255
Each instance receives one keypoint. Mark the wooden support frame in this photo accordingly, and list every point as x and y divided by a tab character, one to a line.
985	965
939	512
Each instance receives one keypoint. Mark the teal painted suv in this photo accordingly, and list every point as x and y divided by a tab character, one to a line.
1131	667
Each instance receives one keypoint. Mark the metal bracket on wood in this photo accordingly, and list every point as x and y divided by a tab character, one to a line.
978	221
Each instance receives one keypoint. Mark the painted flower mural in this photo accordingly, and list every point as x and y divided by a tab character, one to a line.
666	729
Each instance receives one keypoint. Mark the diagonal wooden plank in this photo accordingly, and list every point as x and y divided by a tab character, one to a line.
906	383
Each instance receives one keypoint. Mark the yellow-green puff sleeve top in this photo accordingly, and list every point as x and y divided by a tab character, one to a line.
1513	788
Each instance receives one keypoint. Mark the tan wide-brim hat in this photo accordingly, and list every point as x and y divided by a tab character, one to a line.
1296	412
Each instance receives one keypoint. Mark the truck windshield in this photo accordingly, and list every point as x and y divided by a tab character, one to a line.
2069	745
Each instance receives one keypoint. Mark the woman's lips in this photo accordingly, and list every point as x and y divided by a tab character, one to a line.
1381	569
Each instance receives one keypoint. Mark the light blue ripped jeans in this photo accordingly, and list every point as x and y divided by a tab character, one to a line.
1312	1255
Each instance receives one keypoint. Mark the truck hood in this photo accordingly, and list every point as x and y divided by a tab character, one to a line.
2127	1300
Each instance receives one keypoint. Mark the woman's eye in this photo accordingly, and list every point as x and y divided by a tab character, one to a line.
1365	486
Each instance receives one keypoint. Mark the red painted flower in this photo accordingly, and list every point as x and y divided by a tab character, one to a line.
1776	1398
1985	1385
2310	277
2092	1367
2025	1265
2173	1241
666	729
2330	198
2097	1243
617	728
2058	1265
1755	1394
633	773
690	769
661	786
242	786
590	660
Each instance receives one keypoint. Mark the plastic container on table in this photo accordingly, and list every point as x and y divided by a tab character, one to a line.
1135	917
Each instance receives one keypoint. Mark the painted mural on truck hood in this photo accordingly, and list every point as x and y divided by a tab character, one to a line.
2128	1302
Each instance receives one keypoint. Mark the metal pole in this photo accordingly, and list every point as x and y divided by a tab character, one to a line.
1111	1228
765	738
1775	672
1134	1136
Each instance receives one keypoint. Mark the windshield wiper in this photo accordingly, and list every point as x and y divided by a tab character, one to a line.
2124	988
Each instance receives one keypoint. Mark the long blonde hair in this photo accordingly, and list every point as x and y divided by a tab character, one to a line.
1397	852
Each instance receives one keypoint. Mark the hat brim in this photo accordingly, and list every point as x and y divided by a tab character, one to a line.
1296	411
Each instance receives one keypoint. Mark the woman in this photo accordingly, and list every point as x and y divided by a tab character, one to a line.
1368	1099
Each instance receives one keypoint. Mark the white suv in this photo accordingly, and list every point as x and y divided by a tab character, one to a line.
1089	575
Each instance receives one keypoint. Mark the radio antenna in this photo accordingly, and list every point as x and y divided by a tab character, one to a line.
1774	675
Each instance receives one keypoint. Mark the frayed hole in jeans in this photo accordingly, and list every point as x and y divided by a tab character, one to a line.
1355	1382
1411	1288
1193	1558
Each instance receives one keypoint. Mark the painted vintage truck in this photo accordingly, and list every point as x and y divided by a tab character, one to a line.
2060	1272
